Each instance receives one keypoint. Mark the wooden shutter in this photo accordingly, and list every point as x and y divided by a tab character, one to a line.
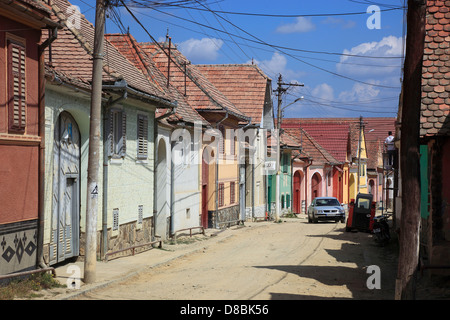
123	145
142	137
109	133
16	87
222	140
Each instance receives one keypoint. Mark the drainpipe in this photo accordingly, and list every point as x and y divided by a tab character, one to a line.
41	129
108	105
217	172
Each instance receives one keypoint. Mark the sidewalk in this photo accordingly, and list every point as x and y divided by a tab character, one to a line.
124	267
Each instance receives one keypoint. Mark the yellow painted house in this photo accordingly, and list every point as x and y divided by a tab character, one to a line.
358	182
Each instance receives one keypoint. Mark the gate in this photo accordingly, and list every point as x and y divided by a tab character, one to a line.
65	233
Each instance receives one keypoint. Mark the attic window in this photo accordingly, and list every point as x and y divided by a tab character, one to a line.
16	85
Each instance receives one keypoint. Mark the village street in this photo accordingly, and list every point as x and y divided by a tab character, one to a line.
288	260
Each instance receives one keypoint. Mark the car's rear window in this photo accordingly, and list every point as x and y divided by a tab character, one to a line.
327	202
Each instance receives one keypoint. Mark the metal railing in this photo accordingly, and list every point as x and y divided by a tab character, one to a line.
133	248
174	235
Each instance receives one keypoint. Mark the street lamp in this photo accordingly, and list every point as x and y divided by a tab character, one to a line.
277	193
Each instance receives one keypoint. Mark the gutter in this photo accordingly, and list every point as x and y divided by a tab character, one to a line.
123	85
41	156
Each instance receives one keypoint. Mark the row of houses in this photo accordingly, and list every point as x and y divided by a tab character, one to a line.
182	145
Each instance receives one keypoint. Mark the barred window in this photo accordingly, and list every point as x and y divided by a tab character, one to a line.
232	192
221	194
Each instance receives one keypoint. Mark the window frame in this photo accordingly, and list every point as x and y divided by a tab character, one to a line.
221	194
117	133
142	136
19	43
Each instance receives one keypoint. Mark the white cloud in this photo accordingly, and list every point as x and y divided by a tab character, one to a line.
323	91
277	65
359	92
206	49
390	46
300	25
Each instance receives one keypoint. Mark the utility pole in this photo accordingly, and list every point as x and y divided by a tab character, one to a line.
94	146
361	129
408	259
279	91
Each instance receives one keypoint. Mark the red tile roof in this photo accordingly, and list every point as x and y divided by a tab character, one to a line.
334	137
435	109
72	51
245	85
311	147
329	130
130	48
185	77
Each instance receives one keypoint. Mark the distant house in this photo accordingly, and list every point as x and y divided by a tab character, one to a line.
330	143
249	89
343	139
312	169
126	175
220	177
289	148
22	132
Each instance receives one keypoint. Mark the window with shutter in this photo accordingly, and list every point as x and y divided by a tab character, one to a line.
16	86
142	136
117	133
222	140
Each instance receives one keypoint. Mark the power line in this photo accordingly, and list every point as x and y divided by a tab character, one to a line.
307	63
261	42
273	15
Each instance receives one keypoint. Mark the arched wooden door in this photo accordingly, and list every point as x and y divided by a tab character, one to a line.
162	201
205	178
297	192
316	186
65	229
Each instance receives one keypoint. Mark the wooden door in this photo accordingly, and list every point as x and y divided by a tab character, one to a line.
65	236
205	177
297	193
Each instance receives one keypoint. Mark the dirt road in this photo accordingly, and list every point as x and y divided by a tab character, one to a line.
287	260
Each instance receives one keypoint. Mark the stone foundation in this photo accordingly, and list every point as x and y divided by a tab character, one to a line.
225	217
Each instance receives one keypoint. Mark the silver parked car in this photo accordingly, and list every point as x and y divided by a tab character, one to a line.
326	208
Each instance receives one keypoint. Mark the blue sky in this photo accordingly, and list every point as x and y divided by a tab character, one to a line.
328	51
